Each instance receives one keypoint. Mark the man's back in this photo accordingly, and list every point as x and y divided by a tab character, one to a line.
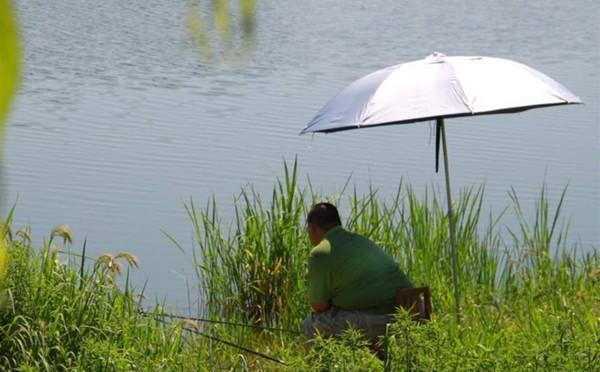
353	273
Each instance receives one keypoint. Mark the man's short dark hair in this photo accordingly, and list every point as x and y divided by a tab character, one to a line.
324	215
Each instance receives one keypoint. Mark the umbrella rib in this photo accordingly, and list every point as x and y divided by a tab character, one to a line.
457	88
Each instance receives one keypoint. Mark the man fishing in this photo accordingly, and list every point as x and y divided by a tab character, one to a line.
351	280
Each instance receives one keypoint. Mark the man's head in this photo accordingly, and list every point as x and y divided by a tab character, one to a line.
321	218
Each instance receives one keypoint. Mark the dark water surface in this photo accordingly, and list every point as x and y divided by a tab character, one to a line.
122	117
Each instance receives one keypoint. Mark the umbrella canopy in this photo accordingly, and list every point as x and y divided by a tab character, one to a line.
439	86
436	88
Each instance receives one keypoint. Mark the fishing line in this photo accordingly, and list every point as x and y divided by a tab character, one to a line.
204	320
229	343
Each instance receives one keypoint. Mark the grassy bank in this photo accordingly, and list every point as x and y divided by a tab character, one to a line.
528	302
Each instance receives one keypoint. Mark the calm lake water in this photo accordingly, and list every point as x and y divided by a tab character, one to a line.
124	115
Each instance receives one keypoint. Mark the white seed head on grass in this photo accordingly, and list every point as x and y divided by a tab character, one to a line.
189	323
131	260
582	294
111	264
64	232
24	234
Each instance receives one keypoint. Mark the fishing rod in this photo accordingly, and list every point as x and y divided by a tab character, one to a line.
229	343
174	316
213	338
204	320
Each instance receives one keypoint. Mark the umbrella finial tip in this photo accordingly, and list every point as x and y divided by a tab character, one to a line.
435	57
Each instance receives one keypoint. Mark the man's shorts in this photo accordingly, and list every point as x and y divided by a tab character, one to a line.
334	321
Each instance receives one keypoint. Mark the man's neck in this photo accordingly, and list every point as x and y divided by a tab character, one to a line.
332	230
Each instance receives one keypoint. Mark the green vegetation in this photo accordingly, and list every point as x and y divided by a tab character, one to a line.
62	317
528	302
9	59
9	73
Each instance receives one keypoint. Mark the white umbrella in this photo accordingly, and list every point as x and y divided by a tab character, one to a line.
436	88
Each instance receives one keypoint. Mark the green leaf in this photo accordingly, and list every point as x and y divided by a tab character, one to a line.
9	59
9	71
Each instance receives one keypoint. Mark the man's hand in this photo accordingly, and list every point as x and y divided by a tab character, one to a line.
320	307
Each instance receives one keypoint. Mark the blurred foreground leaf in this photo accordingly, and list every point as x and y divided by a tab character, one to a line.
9	70
9	59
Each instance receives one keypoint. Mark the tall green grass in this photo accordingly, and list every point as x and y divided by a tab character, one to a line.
255	271
62	314
529	300
255	268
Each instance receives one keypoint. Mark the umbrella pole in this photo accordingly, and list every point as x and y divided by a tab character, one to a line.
442	131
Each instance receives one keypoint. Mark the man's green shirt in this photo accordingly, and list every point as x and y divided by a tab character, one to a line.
351	272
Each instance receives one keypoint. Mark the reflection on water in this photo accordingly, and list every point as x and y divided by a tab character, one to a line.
215	35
